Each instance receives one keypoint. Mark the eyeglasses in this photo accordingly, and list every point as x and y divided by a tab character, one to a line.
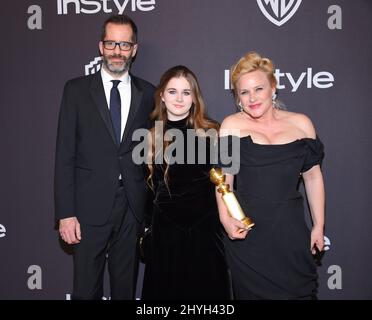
123	45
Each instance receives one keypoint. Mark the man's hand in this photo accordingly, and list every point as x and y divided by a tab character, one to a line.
69	229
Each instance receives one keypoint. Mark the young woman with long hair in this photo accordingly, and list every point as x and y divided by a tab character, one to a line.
186	260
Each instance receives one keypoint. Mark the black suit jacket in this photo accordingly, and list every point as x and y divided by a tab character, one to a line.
88	160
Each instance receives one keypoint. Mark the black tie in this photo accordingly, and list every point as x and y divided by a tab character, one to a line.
115	109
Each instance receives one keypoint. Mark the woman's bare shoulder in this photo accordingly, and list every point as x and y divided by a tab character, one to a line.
302	122
231	121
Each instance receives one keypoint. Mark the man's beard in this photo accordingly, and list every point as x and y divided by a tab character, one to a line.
117	69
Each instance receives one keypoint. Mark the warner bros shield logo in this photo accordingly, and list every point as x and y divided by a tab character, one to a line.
279	11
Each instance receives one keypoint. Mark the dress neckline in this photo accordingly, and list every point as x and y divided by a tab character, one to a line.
249	137
177	123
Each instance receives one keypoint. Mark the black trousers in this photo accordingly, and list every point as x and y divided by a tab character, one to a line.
114	242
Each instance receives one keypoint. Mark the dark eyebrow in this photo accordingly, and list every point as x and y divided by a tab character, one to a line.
117	41
176	89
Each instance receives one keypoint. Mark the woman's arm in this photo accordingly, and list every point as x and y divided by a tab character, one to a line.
234	228
314	187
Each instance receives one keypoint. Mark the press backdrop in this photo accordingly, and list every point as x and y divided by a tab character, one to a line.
322	50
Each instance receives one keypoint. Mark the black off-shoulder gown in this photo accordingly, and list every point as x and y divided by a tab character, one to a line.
274	261
187	259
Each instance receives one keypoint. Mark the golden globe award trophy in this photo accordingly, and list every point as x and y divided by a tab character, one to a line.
228	197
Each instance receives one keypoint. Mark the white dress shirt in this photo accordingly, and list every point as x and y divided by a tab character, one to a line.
124	91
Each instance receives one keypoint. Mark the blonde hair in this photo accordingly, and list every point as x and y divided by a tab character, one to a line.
250	62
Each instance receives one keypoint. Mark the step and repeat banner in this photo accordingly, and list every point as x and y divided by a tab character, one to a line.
322	51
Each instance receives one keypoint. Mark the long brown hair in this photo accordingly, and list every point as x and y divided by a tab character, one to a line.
197	118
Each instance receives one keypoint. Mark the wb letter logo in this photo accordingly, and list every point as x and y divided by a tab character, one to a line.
279	11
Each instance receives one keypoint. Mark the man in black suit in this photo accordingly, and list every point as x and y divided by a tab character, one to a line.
100	193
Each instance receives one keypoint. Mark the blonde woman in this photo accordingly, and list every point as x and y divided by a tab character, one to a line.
278	149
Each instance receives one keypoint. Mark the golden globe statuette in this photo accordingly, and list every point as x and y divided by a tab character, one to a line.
228	197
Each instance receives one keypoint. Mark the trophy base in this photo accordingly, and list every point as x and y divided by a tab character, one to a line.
248	223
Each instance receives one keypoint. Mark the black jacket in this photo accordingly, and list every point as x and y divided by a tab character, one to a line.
88	160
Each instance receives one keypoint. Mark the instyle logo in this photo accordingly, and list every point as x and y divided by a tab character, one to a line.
321	79
286	80
107	6
2	231
93	66
280	11
327	243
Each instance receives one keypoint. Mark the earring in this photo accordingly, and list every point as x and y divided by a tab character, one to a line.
274	100
240	107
